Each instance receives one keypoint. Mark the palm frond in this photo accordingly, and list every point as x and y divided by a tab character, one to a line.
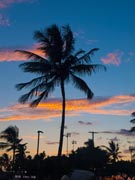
36	67
81	84
31	55
86	57
132	129
78	53
133	114
87	69
68	41
4	145
132	120
43	95
34	82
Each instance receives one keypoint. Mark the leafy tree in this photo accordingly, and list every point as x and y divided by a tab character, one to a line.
113	151
59	65
11	137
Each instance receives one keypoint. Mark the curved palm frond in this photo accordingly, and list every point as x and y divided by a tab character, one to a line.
87	69
36	67
86	57
79	53
31	55
132	129
80	84
4	145
132	120
34	82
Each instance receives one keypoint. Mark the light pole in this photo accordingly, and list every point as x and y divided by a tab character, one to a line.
67	136
74	142
93	133
38	141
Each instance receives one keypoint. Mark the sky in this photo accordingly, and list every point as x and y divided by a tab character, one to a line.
108	25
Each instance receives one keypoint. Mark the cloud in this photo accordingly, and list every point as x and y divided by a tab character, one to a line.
4	21
113	58
6	3
52	143
84	123
126	132
75	133
51	108
9	54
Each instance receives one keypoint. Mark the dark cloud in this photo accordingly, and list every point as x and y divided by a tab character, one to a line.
52	143
84	123
75	133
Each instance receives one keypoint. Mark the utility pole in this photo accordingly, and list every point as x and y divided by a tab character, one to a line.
38	141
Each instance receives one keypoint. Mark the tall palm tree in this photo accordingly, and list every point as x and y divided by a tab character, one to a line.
58	66
11	139
113	151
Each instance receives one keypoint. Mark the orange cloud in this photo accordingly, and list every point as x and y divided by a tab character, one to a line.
113	58
51	109
11	55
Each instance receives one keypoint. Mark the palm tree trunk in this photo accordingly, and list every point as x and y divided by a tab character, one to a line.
63	119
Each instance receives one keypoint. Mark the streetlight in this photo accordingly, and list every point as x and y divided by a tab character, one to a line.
38	141
74	142
93	133
67	135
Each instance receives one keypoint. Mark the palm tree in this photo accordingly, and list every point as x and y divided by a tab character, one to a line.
132	121
11	140
58	66
113	151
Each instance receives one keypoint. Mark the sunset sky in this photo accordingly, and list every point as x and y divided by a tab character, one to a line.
105	24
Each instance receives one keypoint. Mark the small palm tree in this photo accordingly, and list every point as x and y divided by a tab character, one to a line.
113	151
11	140
58	66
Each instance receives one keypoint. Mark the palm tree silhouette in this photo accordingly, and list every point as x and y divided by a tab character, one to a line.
113	151
132	121
58	66
11	137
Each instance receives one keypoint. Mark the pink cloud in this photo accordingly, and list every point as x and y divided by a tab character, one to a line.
11	55
113	58
51	108
6	3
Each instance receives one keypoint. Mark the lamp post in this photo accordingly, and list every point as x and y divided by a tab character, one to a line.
38	141
93	133
67	136
74	142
